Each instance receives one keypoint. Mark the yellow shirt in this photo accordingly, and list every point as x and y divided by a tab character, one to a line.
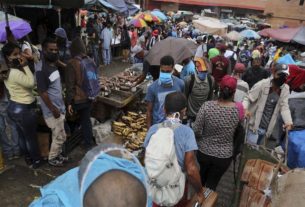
20	85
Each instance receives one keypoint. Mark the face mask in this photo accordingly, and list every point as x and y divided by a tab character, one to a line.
202	75
166	78
279	81
15	62
51	57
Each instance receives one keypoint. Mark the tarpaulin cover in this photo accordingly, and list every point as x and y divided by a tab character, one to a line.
296	149
286	34
286	59
211	26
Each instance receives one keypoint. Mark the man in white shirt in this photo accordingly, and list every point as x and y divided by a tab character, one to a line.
106	37
202	48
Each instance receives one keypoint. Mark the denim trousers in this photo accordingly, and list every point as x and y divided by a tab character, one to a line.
8	133
256	138
107	56
84	111
25	118
95	54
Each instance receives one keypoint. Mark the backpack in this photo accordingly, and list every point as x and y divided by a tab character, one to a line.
166	179
210	96
244	57
91	85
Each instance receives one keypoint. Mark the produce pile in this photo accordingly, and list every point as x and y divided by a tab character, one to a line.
123	81
132	127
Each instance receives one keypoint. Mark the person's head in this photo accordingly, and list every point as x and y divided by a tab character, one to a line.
256	54
213	52
239	70
186	61
280	73
77	47
108	25
124	27
61	36
12	54
222	48
256	63
166	64
227	86
201	68
50	50
116	188
199	40
155	33
175	104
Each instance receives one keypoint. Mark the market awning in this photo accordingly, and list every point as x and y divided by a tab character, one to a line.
47	3
211	26
286	34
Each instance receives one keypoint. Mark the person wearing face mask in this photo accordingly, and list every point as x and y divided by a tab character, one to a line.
184	141
266	100
52	104
22	103
255	73
64	47
198	88
157	91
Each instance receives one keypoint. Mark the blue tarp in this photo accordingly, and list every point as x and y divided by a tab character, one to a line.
296	149
286	59
117	5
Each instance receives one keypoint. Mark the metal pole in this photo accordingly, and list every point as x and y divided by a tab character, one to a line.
59	17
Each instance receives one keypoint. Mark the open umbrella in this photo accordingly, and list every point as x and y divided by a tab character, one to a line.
178	48
234	36
248	33
137	22
286	34
19	27
159	14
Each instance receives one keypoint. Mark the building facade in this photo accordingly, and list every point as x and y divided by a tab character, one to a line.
289	13
218	6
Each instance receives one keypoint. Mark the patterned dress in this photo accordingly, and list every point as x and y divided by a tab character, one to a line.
214	129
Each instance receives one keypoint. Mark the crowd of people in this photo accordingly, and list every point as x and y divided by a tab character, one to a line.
224	83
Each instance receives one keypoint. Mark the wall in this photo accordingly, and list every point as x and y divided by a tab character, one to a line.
285	10
249	4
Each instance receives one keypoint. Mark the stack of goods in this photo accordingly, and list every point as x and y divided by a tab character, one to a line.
132	127
121	82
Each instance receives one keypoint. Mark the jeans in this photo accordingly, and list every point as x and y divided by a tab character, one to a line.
25	118
256	138
95	54
107	56
212	169
84	111
8	134
58	135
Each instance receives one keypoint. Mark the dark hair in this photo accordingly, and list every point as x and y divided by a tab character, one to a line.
226	93
175	102
47	41
8	48
167	60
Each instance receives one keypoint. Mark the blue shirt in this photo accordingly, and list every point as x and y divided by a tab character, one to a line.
106	36
156	94
184	140
187	70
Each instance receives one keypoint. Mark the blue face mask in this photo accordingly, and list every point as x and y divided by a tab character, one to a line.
202	75
165	78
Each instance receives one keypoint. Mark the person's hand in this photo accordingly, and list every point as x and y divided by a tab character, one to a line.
200	198
23	61
248	114
56	113
70	110
288	127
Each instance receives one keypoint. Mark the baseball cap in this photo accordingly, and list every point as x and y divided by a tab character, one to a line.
60	32
281	69
155	32
239	68
229	82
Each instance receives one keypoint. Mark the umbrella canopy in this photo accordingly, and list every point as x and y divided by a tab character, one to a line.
234	36
19	27
178	48
211	26
47	3
248	33
137	22
159	14
148	17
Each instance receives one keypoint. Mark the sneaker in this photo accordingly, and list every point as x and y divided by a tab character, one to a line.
36	164
56	162
63	158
